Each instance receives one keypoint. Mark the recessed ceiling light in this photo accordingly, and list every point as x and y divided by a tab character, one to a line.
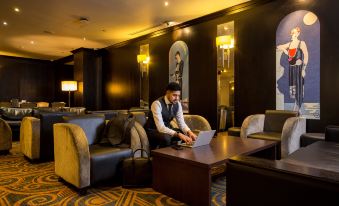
32	42
5	23
16	9
166	3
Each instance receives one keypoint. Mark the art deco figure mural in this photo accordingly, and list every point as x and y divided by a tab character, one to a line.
178	70
298	64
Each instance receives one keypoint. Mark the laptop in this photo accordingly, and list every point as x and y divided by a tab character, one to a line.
203	138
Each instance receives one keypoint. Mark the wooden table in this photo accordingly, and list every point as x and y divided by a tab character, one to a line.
186	174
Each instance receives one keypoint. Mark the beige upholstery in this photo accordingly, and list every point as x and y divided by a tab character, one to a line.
71	149
42	104
195	122
139	139
77	110
30	137
58	104
5	136
252	124
5	104
293	128
28	105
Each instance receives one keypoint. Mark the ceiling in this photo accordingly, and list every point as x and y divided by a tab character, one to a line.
51	29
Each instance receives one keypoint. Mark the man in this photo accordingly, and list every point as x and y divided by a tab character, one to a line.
163	110
179	68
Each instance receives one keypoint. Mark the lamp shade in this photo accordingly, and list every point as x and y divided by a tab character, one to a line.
143	58
69	85
226	41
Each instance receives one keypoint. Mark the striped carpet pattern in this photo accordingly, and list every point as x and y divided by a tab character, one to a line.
24	183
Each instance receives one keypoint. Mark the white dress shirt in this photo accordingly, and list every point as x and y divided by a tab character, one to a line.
159	123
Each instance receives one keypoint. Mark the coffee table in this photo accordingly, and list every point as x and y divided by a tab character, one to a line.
186	174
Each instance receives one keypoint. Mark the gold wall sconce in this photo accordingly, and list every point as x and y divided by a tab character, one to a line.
225	42
142	58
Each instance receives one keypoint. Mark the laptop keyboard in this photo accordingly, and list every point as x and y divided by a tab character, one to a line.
188	144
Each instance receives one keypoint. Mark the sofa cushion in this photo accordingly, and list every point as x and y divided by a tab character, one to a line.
275	119
118	129
92	125
106	161
275	136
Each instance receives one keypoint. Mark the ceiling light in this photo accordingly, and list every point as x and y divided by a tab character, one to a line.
166	3
32	42
4	23
16	9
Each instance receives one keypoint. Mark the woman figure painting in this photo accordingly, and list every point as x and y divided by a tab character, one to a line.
297	53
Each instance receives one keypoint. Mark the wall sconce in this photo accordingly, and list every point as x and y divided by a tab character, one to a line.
69	86
142	58
225	42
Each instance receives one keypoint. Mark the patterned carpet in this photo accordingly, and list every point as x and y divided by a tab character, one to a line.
23	183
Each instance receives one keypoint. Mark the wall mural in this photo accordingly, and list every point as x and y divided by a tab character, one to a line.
178	70
298	64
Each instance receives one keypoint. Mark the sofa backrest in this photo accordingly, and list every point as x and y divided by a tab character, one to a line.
139	117
275	119
332	133
46	132
92	124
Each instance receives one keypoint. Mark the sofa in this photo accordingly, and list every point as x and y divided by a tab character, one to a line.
5	137
256	181
80	157
36	135
282	126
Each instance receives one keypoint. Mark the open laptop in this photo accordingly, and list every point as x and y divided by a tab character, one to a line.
203	138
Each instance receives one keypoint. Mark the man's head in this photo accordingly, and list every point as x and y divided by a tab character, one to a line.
173	91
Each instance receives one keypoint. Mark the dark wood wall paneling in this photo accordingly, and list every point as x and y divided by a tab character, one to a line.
255	31
87	71
120	60
28	79
120	77
63	72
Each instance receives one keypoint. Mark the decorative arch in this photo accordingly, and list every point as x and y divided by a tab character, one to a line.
179	71
298	64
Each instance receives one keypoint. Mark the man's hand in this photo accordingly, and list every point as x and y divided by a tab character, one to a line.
192	135
185	138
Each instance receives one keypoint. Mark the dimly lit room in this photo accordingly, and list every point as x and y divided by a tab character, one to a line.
202	103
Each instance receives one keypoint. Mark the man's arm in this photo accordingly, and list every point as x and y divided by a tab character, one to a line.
182	125
159	122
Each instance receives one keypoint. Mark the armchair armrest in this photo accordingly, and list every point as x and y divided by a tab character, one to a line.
252	124
30	137
293	128
5	136
71	153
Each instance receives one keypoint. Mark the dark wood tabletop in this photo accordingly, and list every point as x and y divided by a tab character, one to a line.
322	155
221	148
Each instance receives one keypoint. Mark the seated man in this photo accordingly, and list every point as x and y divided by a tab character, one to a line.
163	110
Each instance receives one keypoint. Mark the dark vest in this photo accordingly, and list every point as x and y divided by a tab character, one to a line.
166	115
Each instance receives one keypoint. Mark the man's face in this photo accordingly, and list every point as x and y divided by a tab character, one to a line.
177	58
173	96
